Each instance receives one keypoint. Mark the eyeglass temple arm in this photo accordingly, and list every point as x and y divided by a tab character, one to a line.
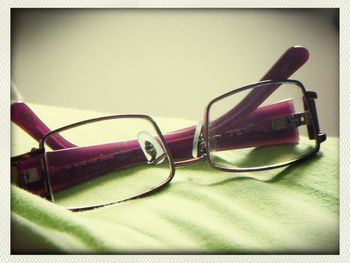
288	63
284	67
293	59
25	118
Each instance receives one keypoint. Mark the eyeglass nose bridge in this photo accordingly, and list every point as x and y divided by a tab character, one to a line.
313	130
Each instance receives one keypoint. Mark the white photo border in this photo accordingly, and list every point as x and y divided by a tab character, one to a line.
344	134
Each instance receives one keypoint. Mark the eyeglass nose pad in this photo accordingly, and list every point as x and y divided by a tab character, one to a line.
197	140
151	148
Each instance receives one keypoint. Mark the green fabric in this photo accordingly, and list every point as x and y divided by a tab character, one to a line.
295	210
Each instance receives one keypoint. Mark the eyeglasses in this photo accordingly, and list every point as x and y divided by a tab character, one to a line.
106	160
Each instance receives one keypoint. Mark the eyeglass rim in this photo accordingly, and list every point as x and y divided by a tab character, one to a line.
160	186
261	84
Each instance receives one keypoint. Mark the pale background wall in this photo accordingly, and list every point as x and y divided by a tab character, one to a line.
167	62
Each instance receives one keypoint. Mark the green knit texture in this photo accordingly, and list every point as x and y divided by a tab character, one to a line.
288	210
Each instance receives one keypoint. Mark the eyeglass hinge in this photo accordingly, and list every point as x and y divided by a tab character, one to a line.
27	170
313	130
312	94
291	121
322	137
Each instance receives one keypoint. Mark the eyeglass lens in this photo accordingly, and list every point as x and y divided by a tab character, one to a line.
261	126
108	161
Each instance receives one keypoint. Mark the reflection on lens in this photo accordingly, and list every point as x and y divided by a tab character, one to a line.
262	126
106	162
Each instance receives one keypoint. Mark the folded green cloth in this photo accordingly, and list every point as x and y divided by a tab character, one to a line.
295	210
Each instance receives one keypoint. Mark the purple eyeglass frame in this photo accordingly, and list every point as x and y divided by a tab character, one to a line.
178	144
